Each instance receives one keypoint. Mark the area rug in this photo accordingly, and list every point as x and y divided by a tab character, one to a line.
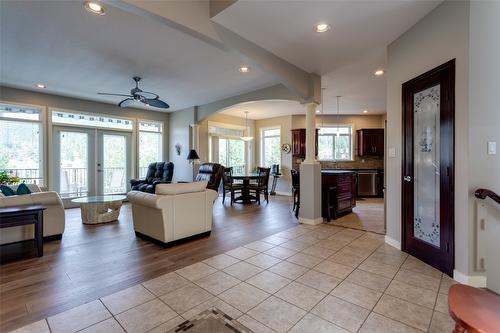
212	320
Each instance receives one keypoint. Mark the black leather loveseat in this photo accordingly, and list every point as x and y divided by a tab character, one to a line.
158	173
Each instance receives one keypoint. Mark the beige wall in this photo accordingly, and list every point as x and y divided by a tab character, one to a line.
484	126
179	132
442	35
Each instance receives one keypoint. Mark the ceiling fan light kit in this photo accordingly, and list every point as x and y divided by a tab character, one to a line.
138	95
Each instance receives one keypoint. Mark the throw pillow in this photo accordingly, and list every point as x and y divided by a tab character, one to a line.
23	189
7	191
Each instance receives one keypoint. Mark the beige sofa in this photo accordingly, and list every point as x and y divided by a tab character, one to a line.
53	215
174	212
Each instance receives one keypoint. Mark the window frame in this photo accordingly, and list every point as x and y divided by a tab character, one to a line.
351	141
43	144
263	138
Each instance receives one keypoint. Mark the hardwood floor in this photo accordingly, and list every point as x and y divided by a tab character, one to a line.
93	261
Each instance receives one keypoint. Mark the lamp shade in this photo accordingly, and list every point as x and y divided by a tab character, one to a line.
193	155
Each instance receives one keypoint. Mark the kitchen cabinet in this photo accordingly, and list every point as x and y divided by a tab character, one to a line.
345	182
299	142
370	141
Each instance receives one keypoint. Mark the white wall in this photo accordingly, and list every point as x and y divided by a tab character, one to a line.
179	132
442	35
484	124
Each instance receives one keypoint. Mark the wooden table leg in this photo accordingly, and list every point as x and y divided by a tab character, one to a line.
458	329
39	234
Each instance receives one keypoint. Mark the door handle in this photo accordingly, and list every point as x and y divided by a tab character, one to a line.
407	179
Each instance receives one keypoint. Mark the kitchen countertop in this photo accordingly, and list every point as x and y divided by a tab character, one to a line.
337	171
352	169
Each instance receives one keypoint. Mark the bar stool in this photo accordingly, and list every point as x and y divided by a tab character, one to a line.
331	203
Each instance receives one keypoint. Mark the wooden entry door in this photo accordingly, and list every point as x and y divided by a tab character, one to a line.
428	173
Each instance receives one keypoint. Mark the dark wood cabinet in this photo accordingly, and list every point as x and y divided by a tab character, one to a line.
299	142
345	183
370	141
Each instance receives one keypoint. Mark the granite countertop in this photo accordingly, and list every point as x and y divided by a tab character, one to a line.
336	171
354	169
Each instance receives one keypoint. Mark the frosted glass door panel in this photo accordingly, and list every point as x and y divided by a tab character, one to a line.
426	165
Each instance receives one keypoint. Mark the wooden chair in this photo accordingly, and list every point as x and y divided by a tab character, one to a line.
262	186
296	191
474	310
228	185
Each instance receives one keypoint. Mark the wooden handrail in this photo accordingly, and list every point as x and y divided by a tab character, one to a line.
482	193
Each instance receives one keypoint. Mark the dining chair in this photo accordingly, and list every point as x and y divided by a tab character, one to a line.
228	185
296	191
262	185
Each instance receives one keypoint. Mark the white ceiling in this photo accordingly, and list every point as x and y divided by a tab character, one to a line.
79	54
76	53
346	56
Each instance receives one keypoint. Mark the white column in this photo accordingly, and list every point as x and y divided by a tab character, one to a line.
310	174
310	133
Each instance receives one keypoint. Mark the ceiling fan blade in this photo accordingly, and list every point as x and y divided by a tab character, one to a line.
109	94
147	95
126	102
157	103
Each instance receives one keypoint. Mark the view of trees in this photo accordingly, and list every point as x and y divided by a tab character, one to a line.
20	142
231	152
271	147
150	150
334	143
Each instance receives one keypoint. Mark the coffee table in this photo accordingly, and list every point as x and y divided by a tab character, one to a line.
100	209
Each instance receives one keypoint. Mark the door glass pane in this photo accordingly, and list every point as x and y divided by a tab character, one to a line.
223	152
150	150
74	164
236	154
114	166
426	165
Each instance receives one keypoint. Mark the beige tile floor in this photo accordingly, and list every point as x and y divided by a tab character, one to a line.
306	279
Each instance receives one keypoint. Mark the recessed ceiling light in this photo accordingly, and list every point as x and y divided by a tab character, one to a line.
95	8
379	72
365	111
244	69
318	111
40	85
322	27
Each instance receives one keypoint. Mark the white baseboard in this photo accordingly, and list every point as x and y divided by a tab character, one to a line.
316	221
288	194
477	281
392	242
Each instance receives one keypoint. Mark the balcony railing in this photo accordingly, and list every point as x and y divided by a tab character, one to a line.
30	176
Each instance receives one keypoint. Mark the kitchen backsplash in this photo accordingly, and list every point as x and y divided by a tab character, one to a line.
360	162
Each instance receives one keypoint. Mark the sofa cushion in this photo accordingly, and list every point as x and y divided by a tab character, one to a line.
170	189
7	191
23	189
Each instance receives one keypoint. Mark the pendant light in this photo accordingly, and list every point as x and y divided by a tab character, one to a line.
246	138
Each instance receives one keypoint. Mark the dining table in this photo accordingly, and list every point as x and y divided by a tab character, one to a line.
246	197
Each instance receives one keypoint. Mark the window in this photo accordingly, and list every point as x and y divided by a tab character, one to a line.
21	152
271	146
150	144
232	154
335	143
91	120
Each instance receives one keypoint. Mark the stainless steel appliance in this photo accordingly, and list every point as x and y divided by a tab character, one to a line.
367	183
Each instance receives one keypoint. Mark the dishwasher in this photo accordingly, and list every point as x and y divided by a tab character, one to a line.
367	183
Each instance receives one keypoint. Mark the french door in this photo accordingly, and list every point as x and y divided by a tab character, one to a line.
90	161
428	174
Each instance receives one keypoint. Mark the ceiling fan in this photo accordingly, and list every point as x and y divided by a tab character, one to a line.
137	95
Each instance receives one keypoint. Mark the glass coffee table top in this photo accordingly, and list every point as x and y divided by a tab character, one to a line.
100	198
